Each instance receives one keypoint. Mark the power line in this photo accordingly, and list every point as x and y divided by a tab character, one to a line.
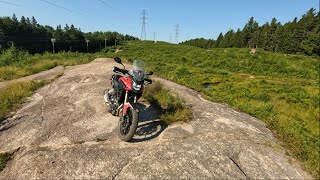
8	38
67	9
105	3
143	31
56	5
10	3
24	38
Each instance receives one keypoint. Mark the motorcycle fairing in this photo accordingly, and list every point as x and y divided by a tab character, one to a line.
127	82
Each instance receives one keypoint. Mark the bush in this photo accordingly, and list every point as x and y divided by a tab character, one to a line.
12	56
173	107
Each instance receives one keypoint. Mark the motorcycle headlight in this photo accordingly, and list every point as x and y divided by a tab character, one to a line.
136	86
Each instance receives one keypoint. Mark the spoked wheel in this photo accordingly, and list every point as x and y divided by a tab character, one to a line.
128	125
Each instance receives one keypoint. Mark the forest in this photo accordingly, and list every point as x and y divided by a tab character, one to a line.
28	34
299	36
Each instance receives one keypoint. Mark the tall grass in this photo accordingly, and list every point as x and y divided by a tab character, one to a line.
15	63
174	108
13	95
4	158
281	90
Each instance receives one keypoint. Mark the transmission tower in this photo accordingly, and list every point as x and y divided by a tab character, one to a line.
143	31
177	33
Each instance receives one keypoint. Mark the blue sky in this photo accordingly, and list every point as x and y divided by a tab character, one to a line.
196	18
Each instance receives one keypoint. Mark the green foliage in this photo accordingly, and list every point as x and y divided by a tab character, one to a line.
13	95
35	38
15	63
174	108
201	42
12	56
301	36
4	158
281	90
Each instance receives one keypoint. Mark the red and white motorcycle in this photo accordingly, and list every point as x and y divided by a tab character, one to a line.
122	98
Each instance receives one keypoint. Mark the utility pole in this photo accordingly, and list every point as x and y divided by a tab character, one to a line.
105	42
143	31
177	33
87	41
154	37
53	40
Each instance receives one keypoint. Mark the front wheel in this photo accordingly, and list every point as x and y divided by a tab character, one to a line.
127	125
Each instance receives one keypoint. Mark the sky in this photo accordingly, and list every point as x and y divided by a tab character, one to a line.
196	18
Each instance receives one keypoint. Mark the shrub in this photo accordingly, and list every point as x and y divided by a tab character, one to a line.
174	108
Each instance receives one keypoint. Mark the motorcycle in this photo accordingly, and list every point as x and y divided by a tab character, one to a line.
122	98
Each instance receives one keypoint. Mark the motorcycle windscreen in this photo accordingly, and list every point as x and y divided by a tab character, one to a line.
138	70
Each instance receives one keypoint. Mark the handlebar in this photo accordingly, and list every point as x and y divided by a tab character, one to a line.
116	69
124	71
149	81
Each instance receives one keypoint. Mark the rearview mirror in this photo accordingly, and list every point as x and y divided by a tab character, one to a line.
150	73
118	60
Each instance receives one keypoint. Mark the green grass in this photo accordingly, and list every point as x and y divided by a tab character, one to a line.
174	108
281	90
15	63
13	95
4	158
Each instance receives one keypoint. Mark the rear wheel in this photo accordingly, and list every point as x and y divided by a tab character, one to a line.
128	125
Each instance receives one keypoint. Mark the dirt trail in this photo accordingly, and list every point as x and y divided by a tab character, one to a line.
64	132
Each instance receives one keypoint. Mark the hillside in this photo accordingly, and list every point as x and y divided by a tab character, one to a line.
282	90
63	131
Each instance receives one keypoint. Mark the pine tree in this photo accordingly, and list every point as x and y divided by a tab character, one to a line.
14	18
308	24
28	21
238	39
271	41
34	21
220	37
227	41
248	31
23	20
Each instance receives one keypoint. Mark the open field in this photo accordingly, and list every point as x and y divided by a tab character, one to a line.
64	131
281	90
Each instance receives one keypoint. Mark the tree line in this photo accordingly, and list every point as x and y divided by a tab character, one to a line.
28	34
297	36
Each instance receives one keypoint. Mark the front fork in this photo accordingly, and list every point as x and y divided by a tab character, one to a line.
127	104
